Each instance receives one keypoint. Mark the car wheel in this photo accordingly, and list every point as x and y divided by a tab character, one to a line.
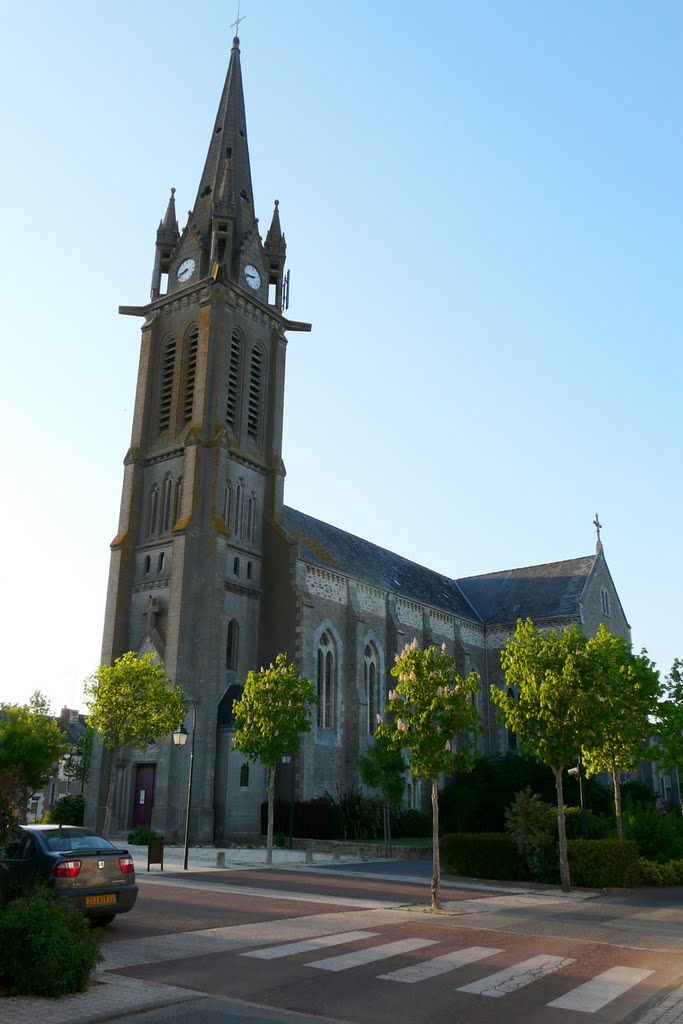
103	921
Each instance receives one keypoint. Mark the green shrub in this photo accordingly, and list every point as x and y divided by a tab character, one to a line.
141	836
532	825
597	827
595	863
68	810
659	836
407	823
652	873
45	949
482	855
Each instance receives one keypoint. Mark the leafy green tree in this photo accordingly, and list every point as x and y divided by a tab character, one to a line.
131	704
77	760
275	708
30	746
625	689
384	769
431	706
669	718
552	712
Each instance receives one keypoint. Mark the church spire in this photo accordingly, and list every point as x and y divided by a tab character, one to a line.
275	249
223	217
167	237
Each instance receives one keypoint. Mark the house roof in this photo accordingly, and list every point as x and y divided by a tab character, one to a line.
544	591
337	551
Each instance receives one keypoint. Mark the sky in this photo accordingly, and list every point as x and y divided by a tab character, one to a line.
483	204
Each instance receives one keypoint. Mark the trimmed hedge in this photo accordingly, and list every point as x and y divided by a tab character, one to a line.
652	873
45	949
595	863
482	855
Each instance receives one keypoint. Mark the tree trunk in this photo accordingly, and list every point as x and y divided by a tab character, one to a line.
561	833
271	800
617	803
110	795
436	864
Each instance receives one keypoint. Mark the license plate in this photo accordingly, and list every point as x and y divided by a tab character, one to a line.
98	901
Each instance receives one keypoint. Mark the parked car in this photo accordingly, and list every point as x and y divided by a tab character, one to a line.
75	863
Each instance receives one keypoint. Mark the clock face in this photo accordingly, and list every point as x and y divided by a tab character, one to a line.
185	270
252	276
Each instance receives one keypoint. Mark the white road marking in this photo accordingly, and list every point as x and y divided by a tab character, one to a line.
308	945
368	956
521	974
602	989
441	964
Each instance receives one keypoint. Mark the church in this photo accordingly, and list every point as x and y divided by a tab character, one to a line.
212	571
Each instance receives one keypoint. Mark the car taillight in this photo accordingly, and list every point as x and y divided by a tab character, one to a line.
126	865
67	869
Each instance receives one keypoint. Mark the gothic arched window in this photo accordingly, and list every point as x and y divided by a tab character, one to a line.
326	681
604	602
166	494
166	391
191	342
255	387
227	503
234	367
232	645
178	500
371	685
244	776
239	500
152	510
251	518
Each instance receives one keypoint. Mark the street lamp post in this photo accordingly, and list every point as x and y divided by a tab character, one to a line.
578	772
180	739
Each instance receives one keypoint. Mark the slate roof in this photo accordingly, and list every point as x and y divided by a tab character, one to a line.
333	549
537	591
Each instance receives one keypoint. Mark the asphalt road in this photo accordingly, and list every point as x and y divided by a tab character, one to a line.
357	943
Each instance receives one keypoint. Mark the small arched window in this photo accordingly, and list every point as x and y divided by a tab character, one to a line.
326	681
239	500
148	564
161	561
248	570
166	390
604	602
371	685
227	503
255	387
235	566
231	646
191	343
152	511
251	518
234	368
244	776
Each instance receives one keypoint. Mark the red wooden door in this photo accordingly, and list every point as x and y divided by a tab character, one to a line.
144	795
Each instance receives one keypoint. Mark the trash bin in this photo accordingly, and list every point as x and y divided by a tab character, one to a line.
155	852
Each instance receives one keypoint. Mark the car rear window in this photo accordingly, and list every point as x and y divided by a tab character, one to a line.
59	842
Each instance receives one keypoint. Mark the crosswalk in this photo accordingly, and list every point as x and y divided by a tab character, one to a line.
588	997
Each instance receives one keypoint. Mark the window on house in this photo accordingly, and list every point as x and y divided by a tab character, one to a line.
231	646
191	343
255	384
234	366
604	602
326	681
167	373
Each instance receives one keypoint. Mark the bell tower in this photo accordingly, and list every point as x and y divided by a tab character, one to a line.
203	477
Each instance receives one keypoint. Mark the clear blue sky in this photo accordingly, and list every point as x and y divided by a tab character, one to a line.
483	207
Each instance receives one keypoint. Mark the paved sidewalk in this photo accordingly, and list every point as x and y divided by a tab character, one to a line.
204	858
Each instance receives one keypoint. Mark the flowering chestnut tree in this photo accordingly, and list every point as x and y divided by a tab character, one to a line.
431	715
275	708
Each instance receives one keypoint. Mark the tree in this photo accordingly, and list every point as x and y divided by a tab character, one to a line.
430	707
131	704
552	710
384	769
30	746
275	708
625	689
669	717
77	761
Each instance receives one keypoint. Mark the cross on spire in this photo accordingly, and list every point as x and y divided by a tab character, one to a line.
598	526
236	22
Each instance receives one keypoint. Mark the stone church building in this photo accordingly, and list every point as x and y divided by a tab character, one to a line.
216	575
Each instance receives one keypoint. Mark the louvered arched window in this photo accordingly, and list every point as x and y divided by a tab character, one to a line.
255	389
234	368
191	342
166	392
326	681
